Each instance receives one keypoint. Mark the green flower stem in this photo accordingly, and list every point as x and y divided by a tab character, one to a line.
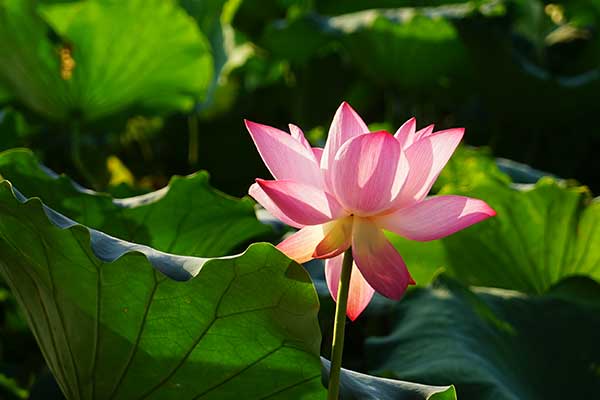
339	326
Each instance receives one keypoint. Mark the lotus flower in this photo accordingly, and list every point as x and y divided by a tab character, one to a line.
358	185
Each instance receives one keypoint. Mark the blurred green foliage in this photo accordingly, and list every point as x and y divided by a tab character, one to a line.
521	75
88	61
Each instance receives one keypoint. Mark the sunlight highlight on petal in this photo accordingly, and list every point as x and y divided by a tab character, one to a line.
285	156
436	217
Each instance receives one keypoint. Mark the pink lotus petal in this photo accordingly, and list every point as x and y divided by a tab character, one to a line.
423	133
297	134
378	260
436	217
368	173
401	175
264	200
360	292
427	157
285	156
318	152
300	202
337	239
346	125
406	133
301	245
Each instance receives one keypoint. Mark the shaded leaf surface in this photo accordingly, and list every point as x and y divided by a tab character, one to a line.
399	49
495	344
395	45
5	95
111	326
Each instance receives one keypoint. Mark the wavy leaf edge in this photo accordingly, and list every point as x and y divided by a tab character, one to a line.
109	249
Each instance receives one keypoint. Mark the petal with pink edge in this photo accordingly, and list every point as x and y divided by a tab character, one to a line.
378	260
285	156
427	157
318	152
436	217
302	203
360	292
264	200
423	133
406	133
402	170
301	245
346	124
297	134
368	172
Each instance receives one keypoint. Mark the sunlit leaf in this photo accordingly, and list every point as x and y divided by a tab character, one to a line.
541	234
99	57
424	260
120	320
188	217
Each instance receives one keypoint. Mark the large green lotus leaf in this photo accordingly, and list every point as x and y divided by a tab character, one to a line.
133	53
121	320
496	344
542	233
188	217
357	386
